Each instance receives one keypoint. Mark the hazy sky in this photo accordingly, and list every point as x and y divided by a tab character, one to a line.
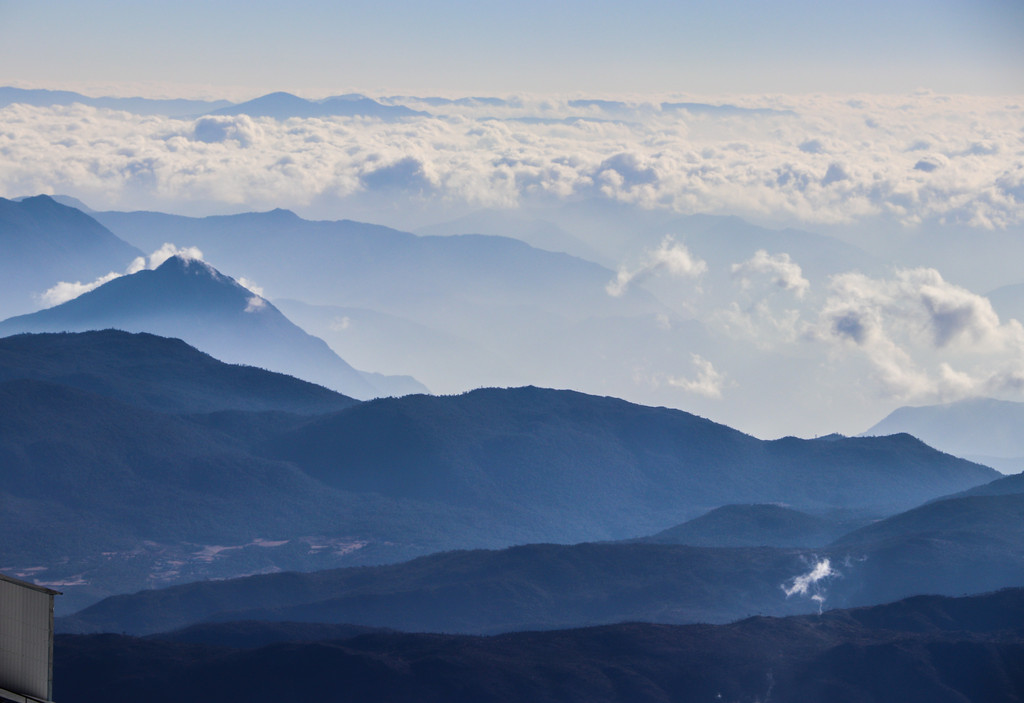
454	46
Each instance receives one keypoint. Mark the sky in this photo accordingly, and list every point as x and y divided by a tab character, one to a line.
240	49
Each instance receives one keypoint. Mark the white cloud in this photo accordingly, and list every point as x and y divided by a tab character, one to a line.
64	291
247	284
708	383
826	160
669	256
783	271
927	339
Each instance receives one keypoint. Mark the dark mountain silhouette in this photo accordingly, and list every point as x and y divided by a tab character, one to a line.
252	634
951	546
399	478
1001	486
139	106
955	546
985	430
520	588
43	242
930	650
281	106
592	467
192	300
754	526
157	373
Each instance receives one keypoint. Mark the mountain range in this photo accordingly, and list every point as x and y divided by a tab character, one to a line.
923	649
952	546
44	242
985	430
191	300
282	106
368	482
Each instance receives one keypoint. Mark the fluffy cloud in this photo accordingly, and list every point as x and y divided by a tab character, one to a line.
783	272
708	382
64	291
813	159
927	339
670	256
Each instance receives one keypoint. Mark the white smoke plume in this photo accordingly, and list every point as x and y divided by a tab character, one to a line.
812	583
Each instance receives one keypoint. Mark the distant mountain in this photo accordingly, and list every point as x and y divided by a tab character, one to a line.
754	526
191	300
1008	302
985	430
281	106
139	106
43	242
496	311
724	110
537	233
926	649
355	264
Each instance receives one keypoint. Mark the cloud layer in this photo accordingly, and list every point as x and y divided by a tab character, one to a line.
811	159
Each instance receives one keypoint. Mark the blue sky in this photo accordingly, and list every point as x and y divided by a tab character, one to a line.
460	47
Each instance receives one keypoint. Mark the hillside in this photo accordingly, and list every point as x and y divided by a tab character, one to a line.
981	429
601	468
43	242
754	526
158	373
921	650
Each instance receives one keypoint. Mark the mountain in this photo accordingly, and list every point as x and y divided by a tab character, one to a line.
192	300
495	310
90	485
950	547
754	526
535	232
159	374
601	468
956	545
139	106
539	586
281	106
90	421
985	430
43	242
356	264
924	649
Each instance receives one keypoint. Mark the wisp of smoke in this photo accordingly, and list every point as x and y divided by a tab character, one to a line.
811	582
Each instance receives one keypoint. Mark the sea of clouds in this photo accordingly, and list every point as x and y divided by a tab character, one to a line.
814	159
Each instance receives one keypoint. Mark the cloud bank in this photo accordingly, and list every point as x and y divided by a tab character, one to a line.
812	159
